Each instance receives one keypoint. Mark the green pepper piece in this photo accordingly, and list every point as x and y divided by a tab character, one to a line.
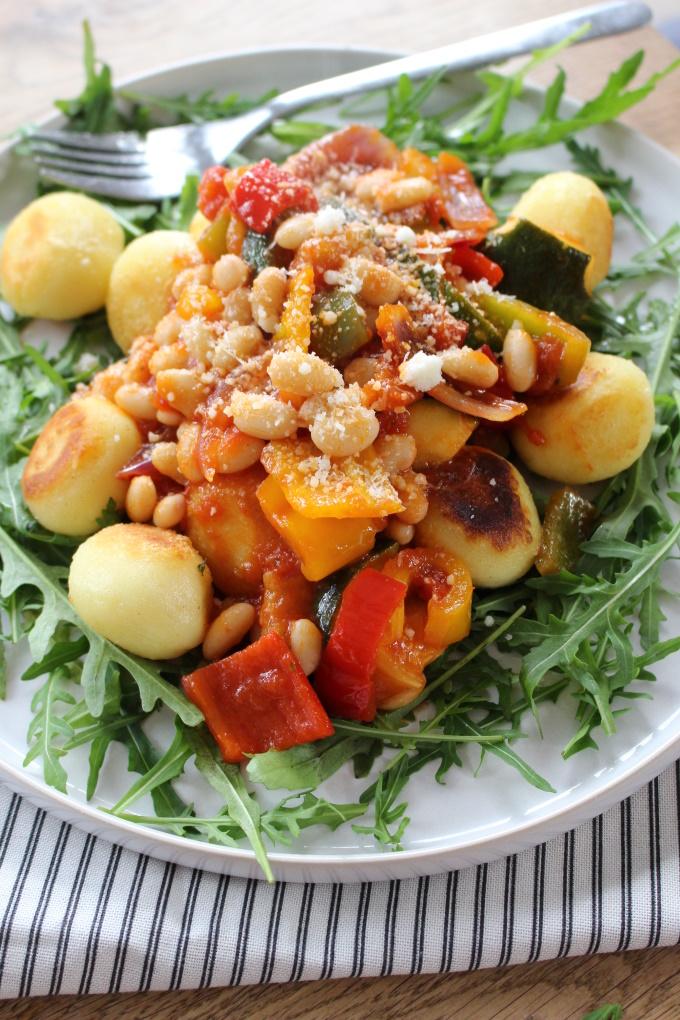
338	325
329	591
259	252
212	243
567	523
503	311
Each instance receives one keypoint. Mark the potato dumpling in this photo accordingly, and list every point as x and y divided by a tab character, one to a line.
439	432
57	256
141	282
573	207
225	522
70	474
593	429
144	588
481	510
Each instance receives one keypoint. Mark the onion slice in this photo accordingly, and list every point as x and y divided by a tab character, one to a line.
483	405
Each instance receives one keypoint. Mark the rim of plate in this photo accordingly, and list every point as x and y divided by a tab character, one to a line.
357	866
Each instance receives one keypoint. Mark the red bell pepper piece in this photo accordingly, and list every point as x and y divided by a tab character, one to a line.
343	677
265	190
258	700
212	193
475	266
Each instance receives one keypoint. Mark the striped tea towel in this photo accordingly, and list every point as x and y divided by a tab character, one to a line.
80	915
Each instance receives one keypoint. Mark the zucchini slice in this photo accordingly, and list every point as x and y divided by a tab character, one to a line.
540	268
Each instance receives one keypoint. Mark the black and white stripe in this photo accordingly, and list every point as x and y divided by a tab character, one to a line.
78	915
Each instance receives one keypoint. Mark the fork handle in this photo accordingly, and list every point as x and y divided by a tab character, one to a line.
595	21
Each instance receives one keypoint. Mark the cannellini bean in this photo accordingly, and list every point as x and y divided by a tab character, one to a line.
294	231
167	330
412	490
143	588
360	371
187	452
171	418
379	285
57	256
171	356
182	389
296	371
137	401
238	307
198	337
141	499
230	627
520	359
263	416
268	297
306	644
396	452
190	278
400	532
169	511
339	425
235	346
164	459
469	366
240	455
230	272
366	185
397	195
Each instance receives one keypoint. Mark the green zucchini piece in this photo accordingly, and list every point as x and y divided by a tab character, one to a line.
480	330
338	325
540	268
329	591
259	252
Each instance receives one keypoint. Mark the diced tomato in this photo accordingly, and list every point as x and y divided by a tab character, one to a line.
550	352
212	192
265	191
460	201
343	677
474	265
258	700
353	146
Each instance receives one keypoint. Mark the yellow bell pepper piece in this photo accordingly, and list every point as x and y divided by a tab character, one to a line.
444	582
323	545
296	321
316	486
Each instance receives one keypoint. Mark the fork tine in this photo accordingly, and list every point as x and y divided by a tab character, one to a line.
123	142
140	172
87	155
129	190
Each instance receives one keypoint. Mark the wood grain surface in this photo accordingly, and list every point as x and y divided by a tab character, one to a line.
40	59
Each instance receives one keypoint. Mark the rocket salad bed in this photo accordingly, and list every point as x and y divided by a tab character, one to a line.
595	629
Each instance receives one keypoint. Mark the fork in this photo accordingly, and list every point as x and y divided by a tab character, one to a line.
127	166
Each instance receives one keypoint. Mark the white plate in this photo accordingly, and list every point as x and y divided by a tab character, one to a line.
468	820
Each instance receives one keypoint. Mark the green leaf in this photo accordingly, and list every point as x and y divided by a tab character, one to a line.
229	782
47	726
167	767
306	766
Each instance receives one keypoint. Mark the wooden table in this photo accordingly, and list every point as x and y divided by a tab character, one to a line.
40	47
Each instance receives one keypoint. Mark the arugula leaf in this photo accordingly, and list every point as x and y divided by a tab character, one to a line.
306	766
46	726
95	108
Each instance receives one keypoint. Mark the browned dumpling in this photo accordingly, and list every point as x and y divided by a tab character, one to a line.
70	475
593	429
481	510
